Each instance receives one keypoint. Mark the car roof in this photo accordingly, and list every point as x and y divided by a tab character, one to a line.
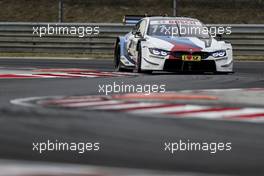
170	18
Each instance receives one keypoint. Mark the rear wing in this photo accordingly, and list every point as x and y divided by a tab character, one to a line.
133	19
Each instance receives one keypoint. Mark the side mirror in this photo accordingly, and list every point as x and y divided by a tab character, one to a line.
219	36
137	34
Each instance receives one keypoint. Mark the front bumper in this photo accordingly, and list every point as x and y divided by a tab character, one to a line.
179	65
170	63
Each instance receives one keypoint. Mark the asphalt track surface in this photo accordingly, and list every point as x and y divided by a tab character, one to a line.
128	140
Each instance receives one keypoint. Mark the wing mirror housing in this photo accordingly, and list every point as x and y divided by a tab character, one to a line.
219	36
137	34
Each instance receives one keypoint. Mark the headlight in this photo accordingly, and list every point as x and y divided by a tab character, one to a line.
221	53
158	52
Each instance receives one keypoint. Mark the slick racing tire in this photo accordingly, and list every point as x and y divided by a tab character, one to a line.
117	62
224	73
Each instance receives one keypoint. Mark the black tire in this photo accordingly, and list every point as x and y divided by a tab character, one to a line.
224	73
117	63
139	60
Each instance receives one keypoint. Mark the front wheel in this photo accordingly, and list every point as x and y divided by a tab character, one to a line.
225	73
117	63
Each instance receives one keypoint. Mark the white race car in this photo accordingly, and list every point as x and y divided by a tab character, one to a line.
171	44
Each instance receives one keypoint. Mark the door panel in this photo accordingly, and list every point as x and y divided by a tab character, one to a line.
133	40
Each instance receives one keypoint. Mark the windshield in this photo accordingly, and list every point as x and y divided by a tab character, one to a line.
178	28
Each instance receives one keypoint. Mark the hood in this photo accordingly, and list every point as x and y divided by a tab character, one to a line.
187	44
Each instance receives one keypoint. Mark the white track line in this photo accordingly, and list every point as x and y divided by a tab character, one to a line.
223	114
73	100
66	74
126	105
26	101
177	108
82	75
89	104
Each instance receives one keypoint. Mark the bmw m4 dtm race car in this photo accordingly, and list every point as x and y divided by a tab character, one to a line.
171	44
